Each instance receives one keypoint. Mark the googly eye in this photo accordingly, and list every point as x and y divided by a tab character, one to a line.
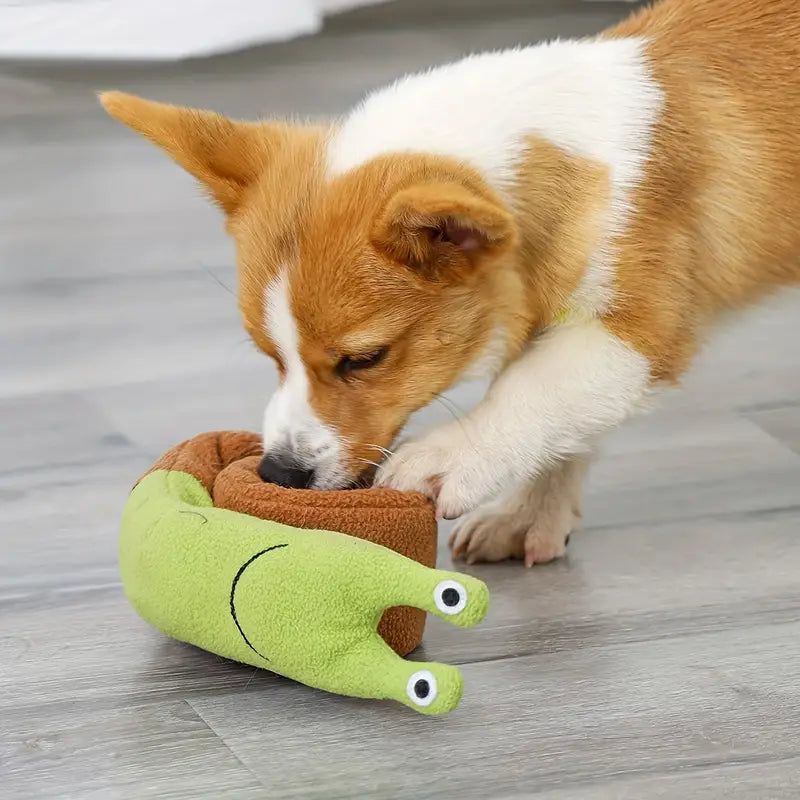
450	597
421	688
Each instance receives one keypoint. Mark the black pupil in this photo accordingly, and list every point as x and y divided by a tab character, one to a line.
450	597
422	688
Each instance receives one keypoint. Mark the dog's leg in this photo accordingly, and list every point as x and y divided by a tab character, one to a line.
531	522
551	404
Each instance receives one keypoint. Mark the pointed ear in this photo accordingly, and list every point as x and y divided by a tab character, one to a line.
224	155
440	227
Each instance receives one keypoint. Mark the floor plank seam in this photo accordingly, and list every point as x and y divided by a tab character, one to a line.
770	512
772	405
580	635
38	598
627	775
224	743
38	469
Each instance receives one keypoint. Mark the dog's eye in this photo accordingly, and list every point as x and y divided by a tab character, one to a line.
350	364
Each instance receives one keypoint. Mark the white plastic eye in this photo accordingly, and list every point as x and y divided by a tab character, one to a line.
450	597
421	688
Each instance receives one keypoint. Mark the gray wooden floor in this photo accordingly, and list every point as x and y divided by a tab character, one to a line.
660	659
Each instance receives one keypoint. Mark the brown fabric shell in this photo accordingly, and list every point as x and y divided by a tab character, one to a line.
226	463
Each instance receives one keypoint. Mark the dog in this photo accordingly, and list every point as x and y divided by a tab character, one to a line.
568	220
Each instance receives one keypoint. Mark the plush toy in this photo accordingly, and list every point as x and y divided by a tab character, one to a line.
305	603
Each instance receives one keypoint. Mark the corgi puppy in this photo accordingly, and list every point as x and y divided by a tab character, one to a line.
568	219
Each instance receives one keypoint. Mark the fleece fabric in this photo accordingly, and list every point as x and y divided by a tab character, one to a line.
302	603
226	463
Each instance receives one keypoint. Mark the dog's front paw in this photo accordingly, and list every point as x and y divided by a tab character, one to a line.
534	523
448	465
488	534
416	466
492	535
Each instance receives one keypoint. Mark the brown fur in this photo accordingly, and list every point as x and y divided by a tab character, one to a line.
368	274
368	269
560	200
418	253
716	220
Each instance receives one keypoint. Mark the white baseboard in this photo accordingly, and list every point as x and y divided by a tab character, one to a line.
154	30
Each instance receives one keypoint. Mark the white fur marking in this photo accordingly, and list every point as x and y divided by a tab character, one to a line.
290	422
569	387
593	97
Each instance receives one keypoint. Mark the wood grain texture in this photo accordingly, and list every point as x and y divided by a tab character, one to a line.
569	719
660	658
154	751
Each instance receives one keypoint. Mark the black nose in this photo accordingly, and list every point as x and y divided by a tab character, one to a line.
281	471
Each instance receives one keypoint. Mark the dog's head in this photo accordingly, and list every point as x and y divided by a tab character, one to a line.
373	290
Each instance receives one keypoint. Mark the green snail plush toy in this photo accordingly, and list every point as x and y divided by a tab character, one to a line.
303	603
